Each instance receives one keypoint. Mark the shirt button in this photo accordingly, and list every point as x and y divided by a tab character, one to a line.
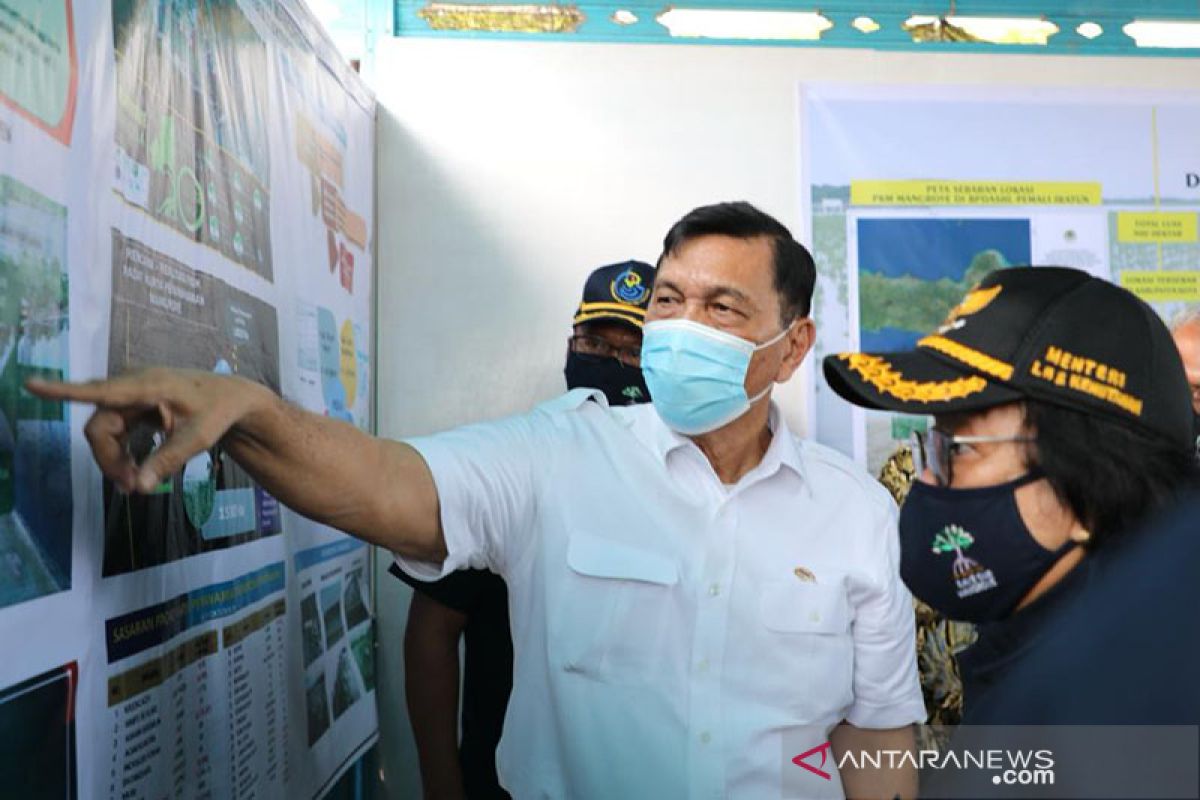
702	665
714	589
705	737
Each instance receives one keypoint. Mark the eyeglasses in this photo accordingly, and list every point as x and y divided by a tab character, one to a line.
596	346
936	450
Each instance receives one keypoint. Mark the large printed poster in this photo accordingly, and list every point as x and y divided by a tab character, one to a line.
184	183
916	194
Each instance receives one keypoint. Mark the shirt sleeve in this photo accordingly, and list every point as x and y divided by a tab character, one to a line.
486	477
887	692
459	591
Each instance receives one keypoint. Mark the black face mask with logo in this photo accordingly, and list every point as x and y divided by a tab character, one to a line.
622	385
967	553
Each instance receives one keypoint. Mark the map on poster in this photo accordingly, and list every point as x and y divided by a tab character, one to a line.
191	133
35	477
911	272
39	70
898	241
164	313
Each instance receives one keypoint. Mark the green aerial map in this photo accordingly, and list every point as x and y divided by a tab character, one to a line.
914	303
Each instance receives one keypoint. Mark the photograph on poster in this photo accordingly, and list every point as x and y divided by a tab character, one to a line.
331	611
353	600
191	137
346	687
318	707
39	762
35	473
310	629
165	313
363	647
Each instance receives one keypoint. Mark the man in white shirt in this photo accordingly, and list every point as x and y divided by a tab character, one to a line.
694	592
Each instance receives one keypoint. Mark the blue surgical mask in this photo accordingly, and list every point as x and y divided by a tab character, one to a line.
697	374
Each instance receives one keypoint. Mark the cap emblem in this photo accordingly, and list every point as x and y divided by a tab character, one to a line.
628	288
975	301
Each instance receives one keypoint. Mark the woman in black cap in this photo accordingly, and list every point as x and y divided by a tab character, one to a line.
1061	422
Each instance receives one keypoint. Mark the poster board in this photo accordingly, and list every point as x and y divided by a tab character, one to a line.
915	193
187	184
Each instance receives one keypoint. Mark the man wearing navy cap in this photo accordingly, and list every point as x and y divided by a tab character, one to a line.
603	352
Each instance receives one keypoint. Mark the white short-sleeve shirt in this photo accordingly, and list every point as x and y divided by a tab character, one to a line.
669	630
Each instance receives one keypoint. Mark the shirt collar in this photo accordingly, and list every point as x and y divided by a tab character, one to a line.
783	451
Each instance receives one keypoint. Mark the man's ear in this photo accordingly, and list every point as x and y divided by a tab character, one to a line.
800	340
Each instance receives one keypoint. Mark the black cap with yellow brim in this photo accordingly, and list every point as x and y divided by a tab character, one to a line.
617	293
913	382
1049	333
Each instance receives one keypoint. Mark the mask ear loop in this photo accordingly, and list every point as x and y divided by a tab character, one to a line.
761	394
776	337
763	346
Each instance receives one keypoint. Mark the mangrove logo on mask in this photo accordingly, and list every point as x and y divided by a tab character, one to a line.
970	577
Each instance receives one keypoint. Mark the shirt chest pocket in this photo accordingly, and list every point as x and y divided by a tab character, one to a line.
807	652
792	607
616	619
